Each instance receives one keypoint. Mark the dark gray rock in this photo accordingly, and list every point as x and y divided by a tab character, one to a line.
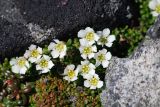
23	22
14	38
134	81
71	15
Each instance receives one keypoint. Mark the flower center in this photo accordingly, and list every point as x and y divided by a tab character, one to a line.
89	36
71	74
85	68
21	62
44	63
157	8
103	40
101	57
94	81
60	47
87	50
34	53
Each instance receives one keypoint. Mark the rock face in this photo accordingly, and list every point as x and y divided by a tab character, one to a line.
154	31
135	81
23	22
71	15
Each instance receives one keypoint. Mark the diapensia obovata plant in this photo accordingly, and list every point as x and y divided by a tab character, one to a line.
92	48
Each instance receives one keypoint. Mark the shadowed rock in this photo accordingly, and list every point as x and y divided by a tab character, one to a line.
23	22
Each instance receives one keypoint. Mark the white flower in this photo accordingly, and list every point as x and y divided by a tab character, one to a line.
33	54
154	5
86	68
44	64
103	57
105	38
58	49
19	65
88	36
87	51
70	73
93	82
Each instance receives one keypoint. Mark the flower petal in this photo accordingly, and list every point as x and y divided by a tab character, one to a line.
81	49
152	5
45	71
74	78
93	87
46	57
86	83
103	51
96	37
91	55
32	47
108	56
51	46
97	63
88	29
62	54
94	48
56	40
96	76
13	61
84	56
81	33
50	64
84	62
83	42
55	54
39	50
100	84
111	38
86	76
106	32
27	54
23	70
92	72
154	13
108	44
15	69
158	1
105	64
66	78
32	59
27	64
38	67
92	66
71	67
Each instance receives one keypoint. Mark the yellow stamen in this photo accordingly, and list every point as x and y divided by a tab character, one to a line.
157	8
103	40
21	62
101	57
43	63
87	50
60	47
71	74
94	81
85	68
34	53
90	36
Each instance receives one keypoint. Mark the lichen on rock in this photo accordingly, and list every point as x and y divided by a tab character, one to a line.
134	81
